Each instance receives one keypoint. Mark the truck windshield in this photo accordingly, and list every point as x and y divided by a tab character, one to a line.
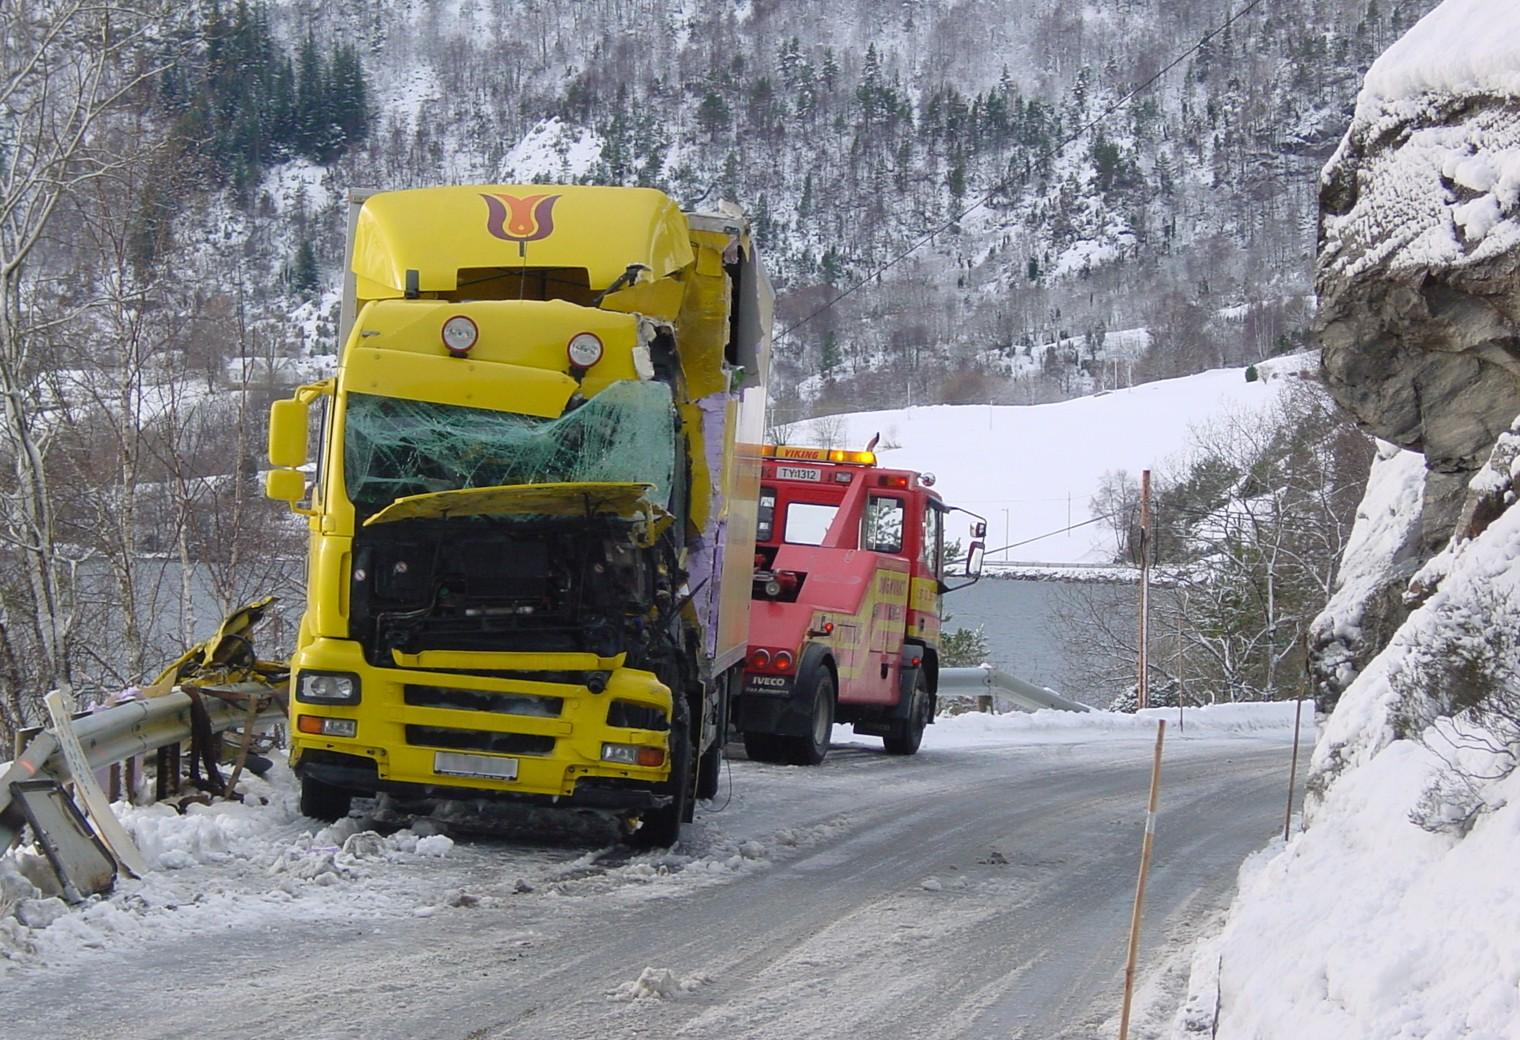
393	447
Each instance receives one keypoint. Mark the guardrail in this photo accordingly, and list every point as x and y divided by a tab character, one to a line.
72	751
1005	692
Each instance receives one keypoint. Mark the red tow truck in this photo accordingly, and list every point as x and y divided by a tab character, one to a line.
850	568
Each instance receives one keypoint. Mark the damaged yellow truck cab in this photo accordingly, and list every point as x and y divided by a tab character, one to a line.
533	513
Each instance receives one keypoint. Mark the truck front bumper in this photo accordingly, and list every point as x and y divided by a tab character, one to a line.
468	725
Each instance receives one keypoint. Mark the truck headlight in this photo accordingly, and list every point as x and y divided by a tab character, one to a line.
327	688
633	755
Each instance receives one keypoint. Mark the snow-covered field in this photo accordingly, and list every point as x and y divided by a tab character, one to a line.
231	867
1031	470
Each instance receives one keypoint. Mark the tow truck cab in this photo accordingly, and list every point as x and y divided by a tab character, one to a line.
851	565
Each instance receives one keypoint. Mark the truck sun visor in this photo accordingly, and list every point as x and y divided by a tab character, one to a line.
394	447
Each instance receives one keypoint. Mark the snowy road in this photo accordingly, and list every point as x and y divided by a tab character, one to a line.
980	889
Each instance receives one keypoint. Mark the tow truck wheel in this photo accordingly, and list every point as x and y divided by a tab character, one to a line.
810	750
909	733
324	801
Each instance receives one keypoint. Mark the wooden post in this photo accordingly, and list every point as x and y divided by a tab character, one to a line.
1298	712
1181	686
1293	768
1145	865
1143	686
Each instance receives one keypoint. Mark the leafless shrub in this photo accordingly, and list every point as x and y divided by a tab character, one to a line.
1458	694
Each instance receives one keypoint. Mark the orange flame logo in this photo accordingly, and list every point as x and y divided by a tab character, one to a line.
514	219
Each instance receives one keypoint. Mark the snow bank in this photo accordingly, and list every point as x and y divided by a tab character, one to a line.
1368	926
1032	469
1378	551
974	729
1368	923
220	865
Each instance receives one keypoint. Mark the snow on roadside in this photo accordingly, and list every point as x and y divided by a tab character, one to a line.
974	729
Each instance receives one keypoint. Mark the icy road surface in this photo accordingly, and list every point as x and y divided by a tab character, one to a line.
980	889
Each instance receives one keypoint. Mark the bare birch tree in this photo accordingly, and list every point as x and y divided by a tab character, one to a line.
65	66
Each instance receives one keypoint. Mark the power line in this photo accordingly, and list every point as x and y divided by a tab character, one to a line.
1051	534
1002	184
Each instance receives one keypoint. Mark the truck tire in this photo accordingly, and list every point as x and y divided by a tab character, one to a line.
324	801
710	765
811	749
661	827
907	734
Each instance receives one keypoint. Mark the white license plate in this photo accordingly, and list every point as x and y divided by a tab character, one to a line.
492	767
798	473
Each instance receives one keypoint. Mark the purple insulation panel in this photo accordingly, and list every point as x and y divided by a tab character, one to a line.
706	551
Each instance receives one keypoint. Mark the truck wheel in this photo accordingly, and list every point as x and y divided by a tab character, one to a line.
909	733
324	801
811	749
661	828
710	765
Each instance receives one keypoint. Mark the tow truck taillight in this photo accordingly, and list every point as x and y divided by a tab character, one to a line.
770	659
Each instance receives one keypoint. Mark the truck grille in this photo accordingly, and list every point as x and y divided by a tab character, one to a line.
476	740
483	700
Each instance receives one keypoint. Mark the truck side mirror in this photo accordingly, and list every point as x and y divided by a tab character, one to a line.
285	485
979	529
287	434
974	559
973	572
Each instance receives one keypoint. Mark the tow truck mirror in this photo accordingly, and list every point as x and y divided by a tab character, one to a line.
972	562
287	435
285	485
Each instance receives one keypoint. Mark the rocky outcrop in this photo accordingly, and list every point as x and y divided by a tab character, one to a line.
1419	280
1418	277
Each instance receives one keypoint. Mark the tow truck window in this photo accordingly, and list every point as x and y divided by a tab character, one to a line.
765	527
883	525
808	522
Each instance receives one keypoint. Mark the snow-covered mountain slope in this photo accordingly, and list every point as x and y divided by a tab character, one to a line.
1032	470
852	131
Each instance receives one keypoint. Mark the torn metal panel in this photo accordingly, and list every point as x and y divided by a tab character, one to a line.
79	858
626	501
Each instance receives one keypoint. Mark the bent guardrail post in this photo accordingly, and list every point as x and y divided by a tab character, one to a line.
1010	690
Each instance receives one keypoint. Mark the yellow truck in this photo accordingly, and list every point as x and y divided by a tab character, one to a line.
533	504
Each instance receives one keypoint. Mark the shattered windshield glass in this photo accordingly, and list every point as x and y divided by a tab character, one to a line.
394	447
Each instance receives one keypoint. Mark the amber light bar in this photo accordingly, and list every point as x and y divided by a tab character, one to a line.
787	451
